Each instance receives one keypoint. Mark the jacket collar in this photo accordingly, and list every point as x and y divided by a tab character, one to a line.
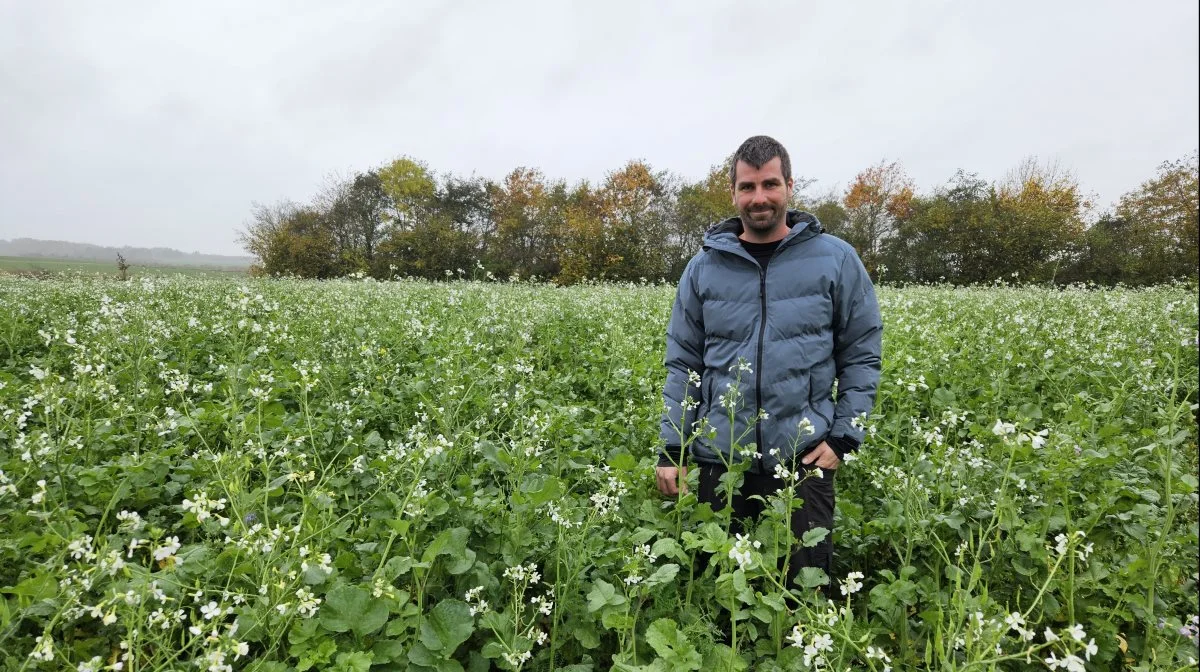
724	235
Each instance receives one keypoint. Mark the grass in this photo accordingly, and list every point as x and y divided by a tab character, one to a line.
37	265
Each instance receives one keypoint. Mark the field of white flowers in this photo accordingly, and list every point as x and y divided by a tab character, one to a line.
352	475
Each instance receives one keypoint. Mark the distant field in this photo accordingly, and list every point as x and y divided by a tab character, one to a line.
40	265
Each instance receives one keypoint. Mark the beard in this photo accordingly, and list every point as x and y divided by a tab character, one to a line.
763	219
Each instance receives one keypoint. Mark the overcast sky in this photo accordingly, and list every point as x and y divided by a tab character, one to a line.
159	123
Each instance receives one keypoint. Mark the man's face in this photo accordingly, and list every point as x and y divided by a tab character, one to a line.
761	197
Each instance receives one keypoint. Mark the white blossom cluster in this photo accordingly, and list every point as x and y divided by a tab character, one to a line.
1063	543
815	648
608	500
477	604
1071	643
741	551
638	563
262	540
324	561
202	507
559	519
521	576
852	584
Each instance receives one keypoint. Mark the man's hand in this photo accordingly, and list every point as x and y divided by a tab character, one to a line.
823	456
669	479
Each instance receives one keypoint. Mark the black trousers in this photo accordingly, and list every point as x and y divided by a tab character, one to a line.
817	511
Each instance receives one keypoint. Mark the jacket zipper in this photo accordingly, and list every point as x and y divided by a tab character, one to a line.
762	330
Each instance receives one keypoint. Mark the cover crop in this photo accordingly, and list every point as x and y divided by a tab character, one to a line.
351	475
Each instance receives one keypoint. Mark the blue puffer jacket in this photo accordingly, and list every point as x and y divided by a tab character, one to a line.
810	318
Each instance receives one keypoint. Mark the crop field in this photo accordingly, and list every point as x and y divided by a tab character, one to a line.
43	266
234	474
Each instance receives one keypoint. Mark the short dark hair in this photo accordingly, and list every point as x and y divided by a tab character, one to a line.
757	151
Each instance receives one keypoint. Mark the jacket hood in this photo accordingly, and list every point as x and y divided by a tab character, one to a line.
724	235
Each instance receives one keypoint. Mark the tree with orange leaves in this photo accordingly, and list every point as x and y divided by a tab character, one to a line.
875	200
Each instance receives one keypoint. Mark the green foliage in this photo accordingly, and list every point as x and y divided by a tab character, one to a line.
352	609
674	650
352	475
403	220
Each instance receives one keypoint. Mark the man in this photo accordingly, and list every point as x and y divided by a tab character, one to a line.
771	290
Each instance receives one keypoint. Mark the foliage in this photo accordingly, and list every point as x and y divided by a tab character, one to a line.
361	475
403	220
877	198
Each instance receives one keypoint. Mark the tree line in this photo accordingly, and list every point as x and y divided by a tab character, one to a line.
1034	225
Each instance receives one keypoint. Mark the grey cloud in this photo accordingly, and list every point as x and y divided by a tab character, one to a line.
150	123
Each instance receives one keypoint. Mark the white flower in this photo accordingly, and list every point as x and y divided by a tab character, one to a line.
519	573
1077	632
740	552
823	642
1073	663
1084	551
806	427
1014	621
40	494
852	584
1060	543
517	659
1039	439
166	550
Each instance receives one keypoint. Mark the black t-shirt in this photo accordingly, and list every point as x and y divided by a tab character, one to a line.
762	252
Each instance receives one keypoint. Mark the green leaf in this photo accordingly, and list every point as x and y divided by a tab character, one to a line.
813	537
668	548
35	588
721	657
1023	567
451	542
491	650
672	646
551	489
662	575
622	462
449	624
584	631
602	594
351	608
314	657
713	538
354	661
616	620
397	566
943	398
812	577
388	650
419	655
